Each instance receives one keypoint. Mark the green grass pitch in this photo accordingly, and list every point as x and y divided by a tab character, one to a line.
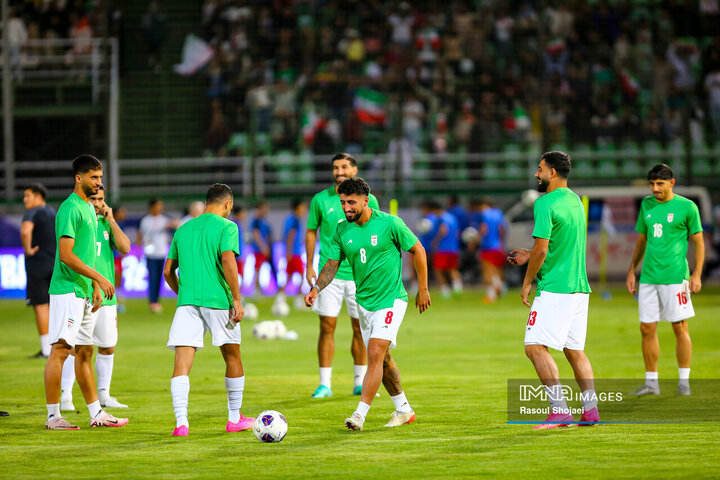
454	361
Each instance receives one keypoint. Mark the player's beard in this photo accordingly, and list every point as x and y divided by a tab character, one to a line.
90	189
543	185
355	217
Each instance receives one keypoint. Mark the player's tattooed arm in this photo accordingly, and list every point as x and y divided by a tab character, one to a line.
327	274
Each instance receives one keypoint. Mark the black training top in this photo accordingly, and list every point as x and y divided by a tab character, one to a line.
43	234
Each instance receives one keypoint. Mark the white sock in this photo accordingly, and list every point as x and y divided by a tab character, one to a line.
45	344
401	403
445	290
180	391
457	286
94	408
325	376
684	375
362	409
556	398
589	399
235	388
491	292
53	410
358	374
651	378
104	368
68	376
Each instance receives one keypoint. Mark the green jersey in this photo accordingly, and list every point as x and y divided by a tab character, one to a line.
105	263
326	212
560	218
374	252
75	219
198	246
667	226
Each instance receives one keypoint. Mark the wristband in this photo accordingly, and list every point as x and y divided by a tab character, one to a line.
315	286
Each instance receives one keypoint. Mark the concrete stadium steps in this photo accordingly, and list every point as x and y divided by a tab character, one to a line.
161	113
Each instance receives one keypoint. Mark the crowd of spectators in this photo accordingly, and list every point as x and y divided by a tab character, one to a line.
75	20
459	75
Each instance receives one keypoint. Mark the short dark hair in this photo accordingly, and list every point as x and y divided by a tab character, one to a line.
354	186
558	160
431	204
153	201
218	193
85	163
660	172
344	156
296	202
38	189
237	208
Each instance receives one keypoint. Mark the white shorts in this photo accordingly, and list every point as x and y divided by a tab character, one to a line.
383	324
71	319
669	303
558	320
329	301
190	324
105	334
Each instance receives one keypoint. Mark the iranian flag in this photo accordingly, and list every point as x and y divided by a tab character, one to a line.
370	106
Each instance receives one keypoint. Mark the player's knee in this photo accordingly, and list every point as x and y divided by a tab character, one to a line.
106	351
532	351
376	352
83	354
327	327
680	328
648	329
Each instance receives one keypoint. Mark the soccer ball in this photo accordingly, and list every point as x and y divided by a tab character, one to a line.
280	309
470	234
264	330
251	312
270	426
279	327
424	226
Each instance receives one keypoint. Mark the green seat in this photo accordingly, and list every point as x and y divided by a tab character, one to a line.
701	159
515	158
492	169
583	162
607	160
421	166
284	166
630	156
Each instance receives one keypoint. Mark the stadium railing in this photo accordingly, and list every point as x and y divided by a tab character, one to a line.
280	176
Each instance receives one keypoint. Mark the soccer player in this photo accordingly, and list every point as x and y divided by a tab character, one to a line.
446	256
491	231
326	212
110	238
204	249
37	234
261	239
665	222
372	241
293	244
558	316
238	217
76	292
